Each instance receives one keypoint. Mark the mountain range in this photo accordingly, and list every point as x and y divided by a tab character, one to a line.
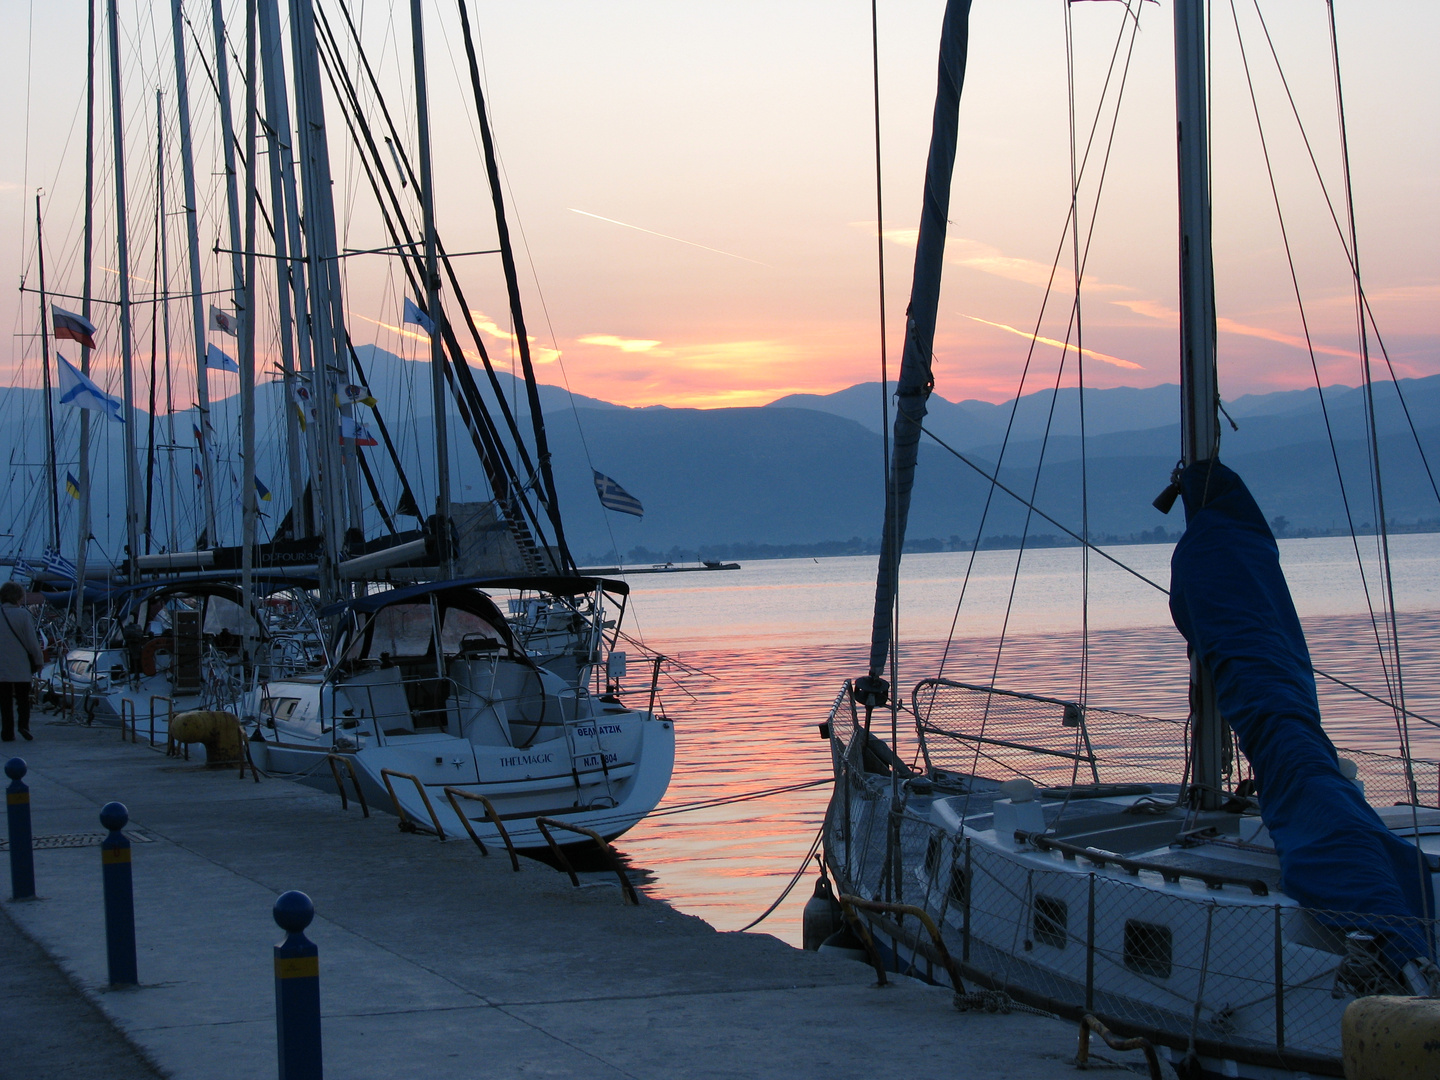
804	473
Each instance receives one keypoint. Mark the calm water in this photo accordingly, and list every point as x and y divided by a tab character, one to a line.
769	646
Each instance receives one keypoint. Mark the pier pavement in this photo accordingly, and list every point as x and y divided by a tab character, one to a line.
434	961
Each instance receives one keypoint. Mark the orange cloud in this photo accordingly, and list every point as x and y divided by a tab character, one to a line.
1170	317
1091	353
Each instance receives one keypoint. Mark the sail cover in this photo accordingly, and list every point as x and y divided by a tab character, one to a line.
1229	598
912	389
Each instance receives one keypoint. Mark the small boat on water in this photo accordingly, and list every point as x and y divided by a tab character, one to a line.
1222	886
433	704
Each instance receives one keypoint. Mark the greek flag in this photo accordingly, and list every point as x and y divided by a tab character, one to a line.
614	497
59	565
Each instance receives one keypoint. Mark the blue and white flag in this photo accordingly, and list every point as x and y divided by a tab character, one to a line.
614	497
61	566
413	314
78	389
216	359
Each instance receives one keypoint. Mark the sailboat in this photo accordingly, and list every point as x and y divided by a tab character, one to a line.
1095	863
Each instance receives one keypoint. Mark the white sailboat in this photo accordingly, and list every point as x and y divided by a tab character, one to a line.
1096	863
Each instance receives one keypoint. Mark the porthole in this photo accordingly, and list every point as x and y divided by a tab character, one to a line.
1049	921
1149	948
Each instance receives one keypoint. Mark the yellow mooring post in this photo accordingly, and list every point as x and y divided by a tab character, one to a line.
1391	1038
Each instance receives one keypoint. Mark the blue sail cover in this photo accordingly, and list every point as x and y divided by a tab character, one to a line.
1229	598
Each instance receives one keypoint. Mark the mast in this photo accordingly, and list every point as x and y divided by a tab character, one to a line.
912	389
1199	392
197	299
150	447
132	486
432	296
82	540
282	199
546	488
327	329
50	469
248	512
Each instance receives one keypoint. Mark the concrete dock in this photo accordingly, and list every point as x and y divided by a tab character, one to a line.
434	961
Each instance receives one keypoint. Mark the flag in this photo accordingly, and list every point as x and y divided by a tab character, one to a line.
79	390
199	477
261	490
199	436
350	394
413	314
22	566
72	486
59	565
304	404
222	321
614	497
353	429
216	359
73	327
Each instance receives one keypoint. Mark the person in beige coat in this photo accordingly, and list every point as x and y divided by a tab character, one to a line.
20	657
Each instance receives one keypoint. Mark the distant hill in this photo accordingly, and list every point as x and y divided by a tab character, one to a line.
801	472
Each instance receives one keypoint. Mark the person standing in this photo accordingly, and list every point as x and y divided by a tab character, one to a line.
20	657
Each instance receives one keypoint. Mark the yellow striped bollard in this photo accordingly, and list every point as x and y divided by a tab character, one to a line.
297	990
119	896
17	813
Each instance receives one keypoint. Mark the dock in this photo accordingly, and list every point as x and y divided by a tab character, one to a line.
434	960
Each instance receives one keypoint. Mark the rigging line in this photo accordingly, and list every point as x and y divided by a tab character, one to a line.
800	873
892	482
1340	232
1382	526
1039	319
1402	722
1059	373
467	379
1314	366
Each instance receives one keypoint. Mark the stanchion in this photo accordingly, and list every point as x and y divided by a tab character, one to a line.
119	896
17	811
297	990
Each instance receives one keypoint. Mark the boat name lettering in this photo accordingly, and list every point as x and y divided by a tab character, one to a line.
605	729
527	759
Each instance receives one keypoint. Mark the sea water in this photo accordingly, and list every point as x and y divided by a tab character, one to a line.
760	654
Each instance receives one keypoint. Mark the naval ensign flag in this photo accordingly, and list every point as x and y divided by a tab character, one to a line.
614	497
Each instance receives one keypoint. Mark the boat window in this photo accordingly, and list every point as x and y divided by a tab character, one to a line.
224	616
279	708
463	631
1148	948
959	883
1050	921
400	630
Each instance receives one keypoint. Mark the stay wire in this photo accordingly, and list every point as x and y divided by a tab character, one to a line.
1314	365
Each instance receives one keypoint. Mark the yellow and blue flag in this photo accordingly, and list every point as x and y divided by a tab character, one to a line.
72	486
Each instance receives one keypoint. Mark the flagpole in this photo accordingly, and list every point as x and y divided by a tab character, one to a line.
247	348
132	521
45	382
82	540
432	296
197	301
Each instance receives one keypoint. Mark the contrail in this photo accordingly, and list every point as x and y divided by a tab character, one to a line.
666	236
1102	357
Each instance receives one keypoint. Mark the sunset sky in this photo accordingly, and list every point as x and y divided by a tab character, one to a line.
692	187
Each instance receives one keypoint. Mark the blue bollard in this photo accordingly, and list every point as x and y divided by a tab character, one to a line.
297	990
17	810
119	896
